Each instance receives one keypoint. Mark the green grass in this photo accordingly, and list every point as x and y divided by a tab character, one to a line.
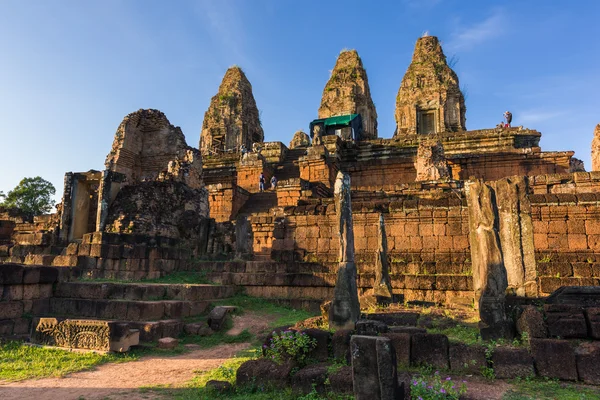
283	315
19	361
534	389
460	333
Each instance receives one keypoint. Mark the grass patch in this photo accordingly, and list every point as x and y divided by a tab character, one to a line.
283	315
19	361
534	389
460	333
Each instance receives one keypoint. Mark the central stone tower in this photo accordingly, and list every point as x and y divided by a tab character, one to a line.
232	118
429	99
347	92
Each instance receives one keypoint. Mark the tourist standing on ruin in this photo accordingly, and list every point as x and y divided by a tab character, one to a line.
508	118
273	182
261	182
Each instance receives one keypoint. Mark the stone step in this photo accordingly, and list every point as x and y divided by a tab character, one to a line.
142	291
125	309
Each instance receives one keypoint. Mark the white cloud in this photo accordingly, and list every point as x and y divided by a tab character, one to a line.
469	37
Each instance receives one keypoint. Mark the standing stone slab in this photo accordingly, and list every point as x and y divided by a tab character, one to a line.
516	235
489	274
374	372
345	308
383	286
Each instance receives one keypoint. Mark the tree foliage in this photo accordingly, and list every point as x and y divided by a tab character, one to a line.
31	195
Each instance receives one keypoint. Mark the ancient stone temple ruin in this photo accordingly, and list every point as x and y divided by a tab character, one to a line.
429	99
439	214
232	119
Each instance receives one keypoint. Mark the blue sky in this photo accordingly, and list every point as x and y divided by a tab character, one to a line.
71	70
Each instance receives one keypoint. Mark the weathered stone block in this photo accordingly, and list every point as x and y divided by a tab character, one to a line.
11	309
11	274
309	377
263	372
341	380
511	362
373	368
531	322
588	362
429	349
367	327
323	338
217	317
554	358
167	343
467	359
340	343
401	343
85	334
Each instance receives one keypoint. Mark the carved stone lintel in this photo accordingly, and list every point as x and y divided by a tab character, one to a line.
85	334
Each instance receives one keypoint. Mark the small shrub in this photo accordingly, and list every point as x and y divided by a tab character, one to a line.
436	388
289	345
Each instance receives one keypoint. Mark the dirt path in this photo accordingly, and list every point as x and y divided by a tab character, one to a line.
120	381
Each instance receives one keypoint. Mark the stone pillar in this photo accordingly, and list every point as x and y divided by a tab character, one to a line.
383	287
374	373
489	274
596	149
67	208
345	308
516	235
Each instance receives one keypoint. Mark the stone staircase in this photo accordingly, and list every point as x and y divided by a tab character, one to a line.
157	310
289	168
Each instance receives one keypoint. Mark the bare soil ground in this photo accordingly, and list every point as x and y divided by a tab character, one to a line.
121	381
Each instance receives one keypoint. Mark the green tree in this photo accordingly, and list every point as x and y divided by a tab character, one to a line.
32	196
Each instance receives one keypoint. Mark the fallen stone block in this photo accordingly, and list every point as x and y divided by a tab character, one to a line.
366	327
263	372
429	349
588	362
512	362
167	343
85	334
321	351
531	322
554	358
340	344
217	317
309	377
467	359
341	380
401	343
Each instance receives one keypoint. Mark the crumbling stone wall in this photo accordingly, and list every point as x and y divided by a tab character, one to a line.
171	209
145	143
347	92
232	118
429	86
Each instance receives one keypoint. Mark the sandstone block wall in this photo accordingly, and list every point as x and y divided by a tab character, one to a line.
25	291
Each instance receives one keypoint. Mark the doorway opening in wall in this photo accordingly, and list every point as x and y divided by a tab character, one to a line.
426	122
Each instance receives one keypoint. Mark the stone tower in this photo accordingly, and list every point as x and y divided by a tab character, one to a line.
232	118
596	149
429	99
347	92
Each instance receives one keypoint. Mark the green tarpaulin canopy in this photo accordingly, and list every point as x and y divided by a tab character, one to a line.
352	120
